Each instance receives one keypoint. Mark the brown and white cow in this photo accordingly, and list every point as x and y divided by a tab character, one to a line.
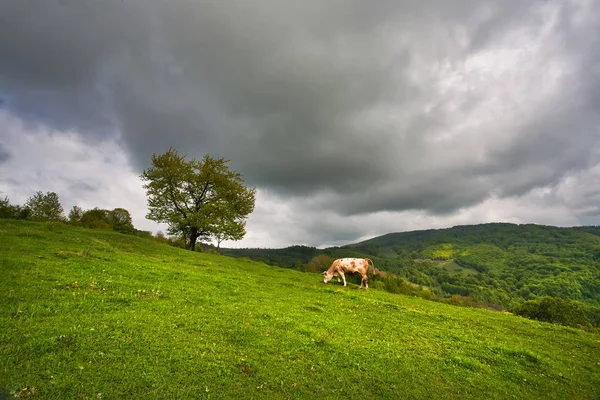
343	266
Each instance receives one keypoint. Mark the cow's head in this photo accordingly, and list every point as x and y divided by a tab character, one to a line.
327	276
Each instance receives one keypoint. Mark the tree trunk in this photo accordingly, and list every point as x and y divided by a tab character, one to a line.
193	237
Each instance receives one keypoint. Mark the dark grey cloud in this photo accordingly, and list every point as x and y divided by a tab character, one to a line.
79	187
53	57
385	106
4	154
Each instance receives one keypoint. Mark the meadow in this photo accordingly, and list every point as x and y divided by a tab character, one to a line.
498	265
90	314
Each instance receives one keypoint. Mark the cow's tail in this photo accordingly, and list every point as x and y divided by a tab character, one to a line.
371	266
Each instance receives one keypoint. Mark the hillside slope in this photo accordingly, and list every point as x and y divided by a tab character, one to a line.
498	262
93	314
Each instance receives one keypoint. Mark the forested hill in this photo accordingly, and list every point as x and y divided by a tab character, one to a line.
499	234
496	262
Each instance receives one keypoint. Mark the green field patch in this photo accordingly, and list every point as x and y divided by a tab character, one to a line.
440	252
448	265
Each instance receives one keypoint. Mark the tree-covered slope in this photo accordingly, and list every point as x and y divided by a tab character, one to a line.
290	257
97	314
507	261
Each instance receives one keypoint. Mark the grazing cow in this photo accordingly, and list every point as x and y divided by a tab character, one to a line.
343	266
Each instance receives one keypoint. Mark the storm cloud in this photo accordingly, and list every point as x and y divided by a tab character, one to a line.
334	110
4	154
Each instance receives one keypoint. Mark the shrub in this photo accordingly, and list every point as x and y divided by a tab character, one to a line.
463	301
13	211
318	263
96	219
559	311
143	234
397	285
118	220
160	237
379	285
177	241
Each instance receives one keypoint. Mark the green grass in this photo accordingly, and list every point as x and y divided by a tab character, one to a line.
87	312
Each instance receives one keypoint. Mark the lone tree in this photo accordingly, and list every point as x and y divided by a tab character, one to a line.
45	206
198	199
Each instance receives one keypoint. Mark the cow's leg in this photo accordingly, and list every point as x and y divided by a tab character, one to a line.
365	280
343	277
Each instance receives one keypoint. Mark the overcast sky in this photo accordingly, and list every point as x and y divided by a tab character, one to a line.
351	118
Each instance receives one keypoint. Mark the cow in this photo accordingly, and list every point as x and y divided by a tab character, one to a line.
343	266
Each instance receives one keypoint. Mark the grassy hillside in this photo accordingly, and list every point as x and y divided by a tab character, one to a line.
498	263
93	314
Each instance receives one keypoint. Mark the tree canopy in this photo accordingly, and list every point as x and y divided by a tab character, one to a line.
45	206
121	220
118	219
75	214
198	199
8	210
